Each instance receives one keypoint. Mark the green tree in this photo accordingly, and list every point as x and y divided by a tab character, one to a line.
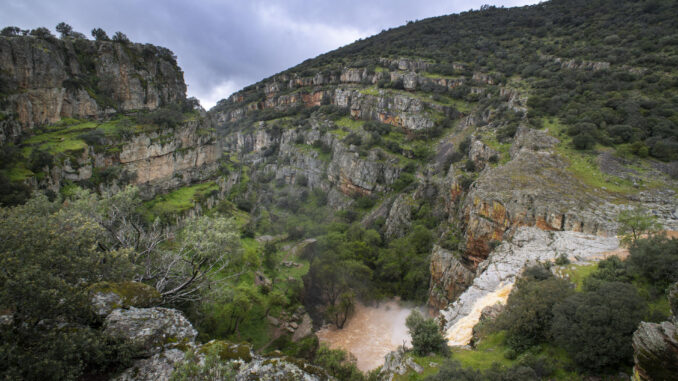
634	224
49	254
204	247
595	327
656	258
10	31
426	336
276	298
207	246
121	38
100	34
64	29
528	314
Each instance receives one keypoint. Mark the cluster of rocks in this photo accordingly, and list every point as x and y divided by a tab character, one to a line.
163	337
299	323
398	362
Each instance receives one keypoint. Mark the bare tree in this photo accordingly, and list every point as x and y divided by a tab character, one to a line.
177	263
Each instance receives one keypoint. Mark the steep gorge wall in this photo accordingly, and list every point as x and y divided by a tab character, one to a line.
45	80
156	161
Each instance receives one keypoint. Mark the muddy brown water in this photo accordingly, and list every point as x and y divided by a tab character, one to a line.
371	333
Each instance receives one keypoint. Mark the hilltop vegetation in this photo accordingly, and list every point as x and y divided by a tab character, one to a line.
604	68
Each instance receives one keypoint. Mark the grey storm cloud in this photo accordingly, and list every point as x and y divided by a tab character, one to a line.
223	46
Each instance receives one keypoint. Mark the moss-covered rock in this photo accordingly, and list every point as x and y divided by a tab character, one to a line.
107	296
152	330
229	351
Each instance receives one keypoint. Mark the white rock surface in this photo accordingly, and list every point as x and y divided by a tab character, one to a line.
496	275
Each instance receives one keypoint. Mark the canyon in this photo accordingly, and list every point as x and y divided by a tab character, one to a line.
389	144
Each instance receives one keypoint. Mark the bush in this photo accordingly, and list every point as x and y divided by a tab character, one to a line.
426	336
656	259
469	166
94	137
583	141
338	364
528	314
353	139
121	38
595	327
40	159
403	181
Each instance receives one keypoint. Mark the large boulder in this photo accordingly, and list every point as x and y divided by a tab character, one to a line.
655	346
157	368
398	362
108	296
655	349
151	329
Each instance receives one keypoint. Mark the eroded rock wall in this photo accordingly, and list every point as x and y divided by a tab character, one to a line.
45	80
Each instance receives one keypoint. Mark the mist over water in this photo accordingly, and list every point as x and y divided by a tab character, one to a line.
371	333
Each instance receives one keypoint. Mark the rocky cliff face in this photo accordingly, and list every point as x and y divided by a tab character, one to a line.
45	80
524	181
156	161
655	346
57	91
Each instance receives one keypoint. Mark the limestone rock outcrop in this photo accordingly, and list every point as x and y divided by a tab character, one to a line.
532	189
449	277
158	367
500	270
45	78
655	346
152	329
398	363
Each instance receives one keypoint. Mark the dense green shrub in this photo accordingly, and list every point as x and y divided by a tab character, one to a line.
338	364
656	258
528	315
426	336
49	254
595	327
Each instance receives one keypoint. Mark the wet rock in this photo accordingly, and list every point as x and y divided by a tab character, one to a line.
37	69
480	154
656	351
533	189
491	312
279	368
152	329
398	221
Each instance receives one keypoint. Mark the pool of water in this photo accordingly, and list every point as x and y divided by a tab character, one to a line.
370	333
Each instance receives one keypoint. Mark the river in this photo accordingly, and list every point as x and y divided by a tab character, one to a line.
371	333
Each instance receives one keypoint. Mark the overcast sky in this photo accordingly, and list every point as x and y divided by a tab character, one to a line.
224	45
